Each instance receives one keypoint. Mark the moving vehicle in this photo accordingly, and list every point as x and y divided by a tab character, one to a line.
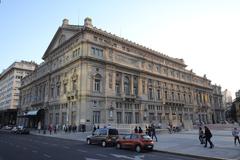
103	136
138	142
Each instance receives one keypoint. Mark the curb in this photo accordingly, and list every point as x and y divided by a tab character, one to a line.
191	155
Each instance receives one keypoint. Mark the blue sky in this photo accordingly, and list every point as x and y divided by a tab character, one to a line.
204	33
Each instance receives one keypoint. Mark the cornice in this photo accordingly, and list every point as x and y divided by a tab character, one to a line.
132	44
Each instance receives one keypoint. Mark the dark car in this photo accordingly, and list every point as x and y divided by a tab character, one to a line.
22	130
138	142
103	136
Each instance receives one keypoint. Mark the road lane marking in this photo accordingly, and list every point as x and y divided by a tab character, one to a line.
24	148
121	156
79	150
138	157
46	155
33	151
66	147
101	155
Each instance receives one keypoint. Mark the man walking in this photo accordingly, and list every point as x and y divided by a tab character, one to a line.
235	134
208	136
153	132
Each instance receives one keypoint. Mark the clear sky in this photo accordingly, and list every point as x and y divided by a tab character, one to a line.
205	33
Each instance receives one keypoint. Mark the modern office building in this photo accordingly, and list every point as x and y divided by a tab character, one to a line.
90	76
10	81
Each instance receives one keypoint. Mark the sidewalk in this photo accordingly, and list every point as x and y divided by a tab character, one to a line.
185	143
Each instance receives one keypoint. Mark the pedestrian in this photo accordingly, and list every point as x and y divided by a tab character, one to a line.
136	130
98	127
170	128
147	130
64	128
150	131
201	135
235	134
208	136
50	128
70	128
55	129
140	131
94	128
39	126
153	132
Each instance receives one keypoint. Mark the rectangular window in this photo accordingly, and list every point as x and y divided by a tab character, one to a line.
97	85
97	52
93	51
57	118
128	117
119	117
96	117
64	118
137	117
73	118
150	93
158	94
117	88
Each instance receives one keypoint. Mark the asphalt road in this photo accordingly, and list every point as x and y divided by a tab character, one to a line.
32	147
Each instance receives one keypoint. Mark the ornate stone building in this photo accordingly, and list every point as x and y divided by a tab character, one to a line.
90	76
10	82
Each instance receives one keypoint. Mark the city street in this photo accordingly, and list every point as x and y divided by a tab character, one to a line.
41	148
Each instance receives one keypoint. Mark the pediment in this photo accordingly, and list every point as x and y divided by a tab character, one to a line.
62	35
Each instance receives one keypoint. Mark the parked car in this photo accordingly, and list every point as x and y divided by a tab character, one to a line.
14	129
138	142
103	136
8	127
20	130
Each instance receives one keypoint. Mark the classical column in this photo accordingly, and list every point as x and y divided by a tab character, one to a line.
134	118
132	83
122	84
139	86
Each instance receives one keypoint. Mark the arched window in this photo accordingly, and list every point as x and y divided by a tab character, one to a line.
126	85
97	83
